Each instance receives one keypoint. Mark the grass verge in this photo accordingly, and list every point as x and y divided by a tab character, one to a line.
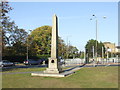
93	77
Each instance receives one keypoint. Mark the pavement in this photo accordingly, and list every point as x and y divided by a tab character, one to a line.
91	65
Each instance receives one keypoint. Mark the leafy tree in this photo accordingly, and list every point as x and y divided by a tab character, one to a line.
7	24
72	51
18	44
89	48
40	43
40	40
62	48
100	45
13	38
81	54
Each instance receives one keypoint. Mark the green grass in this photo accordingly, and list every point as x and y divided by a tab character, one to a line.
23	70
28	69
94	77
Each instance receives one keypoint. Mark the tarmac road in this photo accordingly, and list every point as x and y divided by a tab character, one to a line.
35	66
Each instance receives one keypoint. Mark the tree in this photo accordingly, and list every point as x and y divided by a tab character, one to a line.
100	45
89	48
7	24
13	38
72	52
62	48
81	54
19	35
18	44
39	42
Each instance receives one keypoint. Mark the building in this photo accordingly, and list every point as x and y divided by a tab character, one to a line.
110	47
118	48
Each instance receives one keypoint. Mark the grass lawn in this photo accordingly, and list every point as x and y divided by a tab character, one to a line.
93	77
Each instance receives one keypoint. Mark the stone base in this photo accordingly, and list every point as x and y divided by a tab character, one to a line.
63	74
55	71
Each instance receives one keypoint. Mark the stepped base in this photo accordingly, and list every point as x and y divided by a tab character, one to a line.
45	74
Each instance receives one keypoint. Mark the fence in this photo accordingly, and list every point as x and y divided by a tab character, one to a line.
78	61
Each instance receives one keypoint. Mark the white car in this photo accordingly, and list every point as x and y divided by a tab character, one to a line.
5	63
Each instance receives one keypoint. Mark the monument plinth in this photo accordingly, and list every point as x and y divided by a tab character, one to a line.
54	69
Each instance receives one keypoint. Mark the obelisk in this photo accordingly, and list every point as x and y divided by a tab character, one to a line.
53	63
54	69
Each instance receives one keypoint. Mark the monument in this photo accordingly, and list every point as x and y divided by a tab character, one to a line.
54	69
53	64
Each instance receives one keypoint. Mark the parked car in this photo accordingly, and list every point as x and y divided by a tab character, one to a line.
5	63
62	61
32	62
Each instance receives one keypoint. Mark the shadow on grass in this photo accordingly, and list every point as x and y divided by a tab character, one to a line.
74	68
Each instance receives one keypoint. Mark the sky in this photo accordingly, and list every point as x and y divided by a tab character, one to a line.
74	24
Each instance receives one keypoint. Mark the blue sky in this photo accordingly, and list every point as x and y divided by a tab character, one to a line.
74	19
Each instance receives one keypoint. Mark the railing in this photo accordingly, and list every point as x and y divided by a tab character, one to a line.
77	61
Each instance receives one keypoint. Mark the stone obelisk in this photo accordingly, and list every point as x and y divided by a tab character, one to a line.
53	63
54	69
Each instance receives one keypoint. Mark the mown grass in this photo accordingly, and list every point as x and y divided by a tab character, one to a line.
94	77
28	69
23	70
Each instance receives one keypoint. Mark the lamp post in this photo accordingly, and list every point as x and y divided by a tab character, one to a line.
93	52
84	56
27	45
102	54
68	44
27	48
96	34
96	20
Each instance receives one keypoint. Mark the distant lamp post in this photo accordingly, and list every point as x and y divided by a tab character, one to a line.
84	55
102	54
27	48
96	20
96	35
27	45
68	44
93	52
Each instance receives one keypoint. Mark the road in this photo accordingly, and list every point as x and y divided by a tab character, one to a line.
36	66
25	66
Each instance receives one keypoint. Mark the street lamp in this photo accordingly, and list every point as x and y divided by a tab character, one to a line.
27	44
27	48
68	44
96	20
96	33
